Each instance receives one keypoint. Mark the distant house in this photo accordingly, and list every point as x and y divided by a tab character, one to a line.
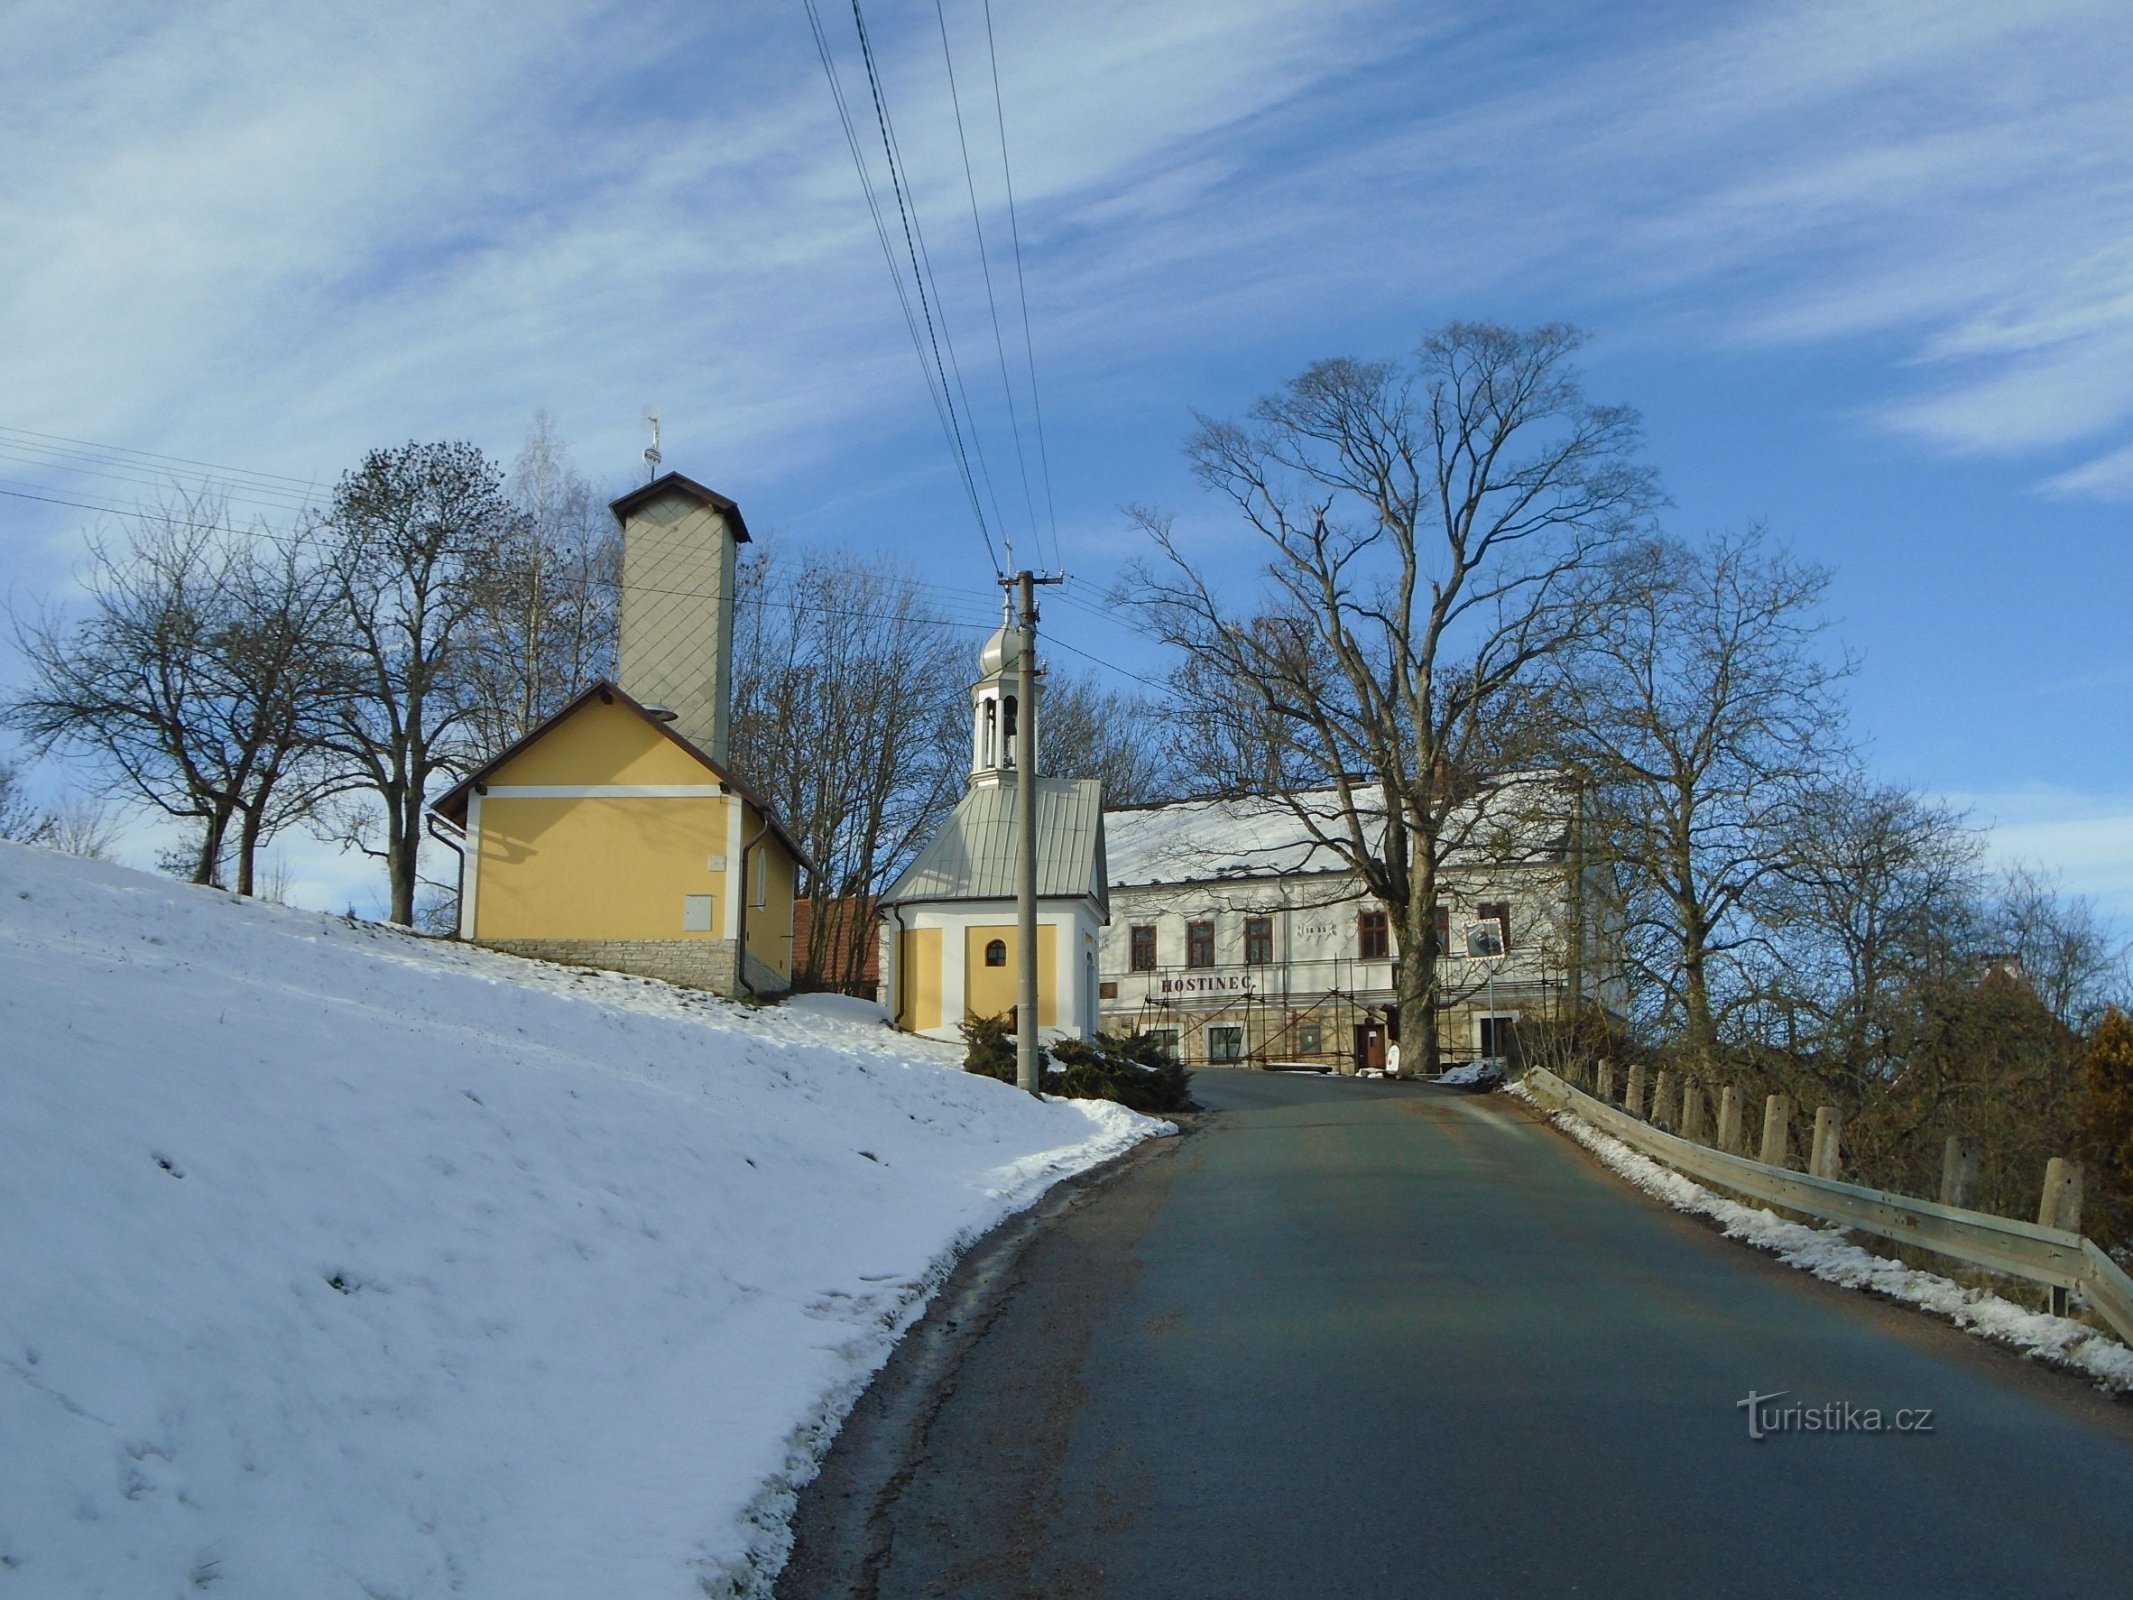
615	834
950	944
1241	937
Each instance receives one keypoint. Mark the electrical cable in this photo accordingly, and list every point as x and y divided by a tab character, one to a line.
999	340
1014	229
921	275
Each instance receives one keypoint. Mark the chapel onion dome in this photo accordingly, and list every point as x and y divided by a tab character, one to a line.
1002	652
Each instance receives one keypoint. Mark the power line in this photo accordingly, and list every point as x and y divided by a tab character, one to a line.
920	275
1022	289
999	340
273	501
150	455
942	401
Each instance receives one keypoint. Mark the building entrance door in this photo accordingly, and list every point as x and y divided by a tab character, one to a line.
1370	1047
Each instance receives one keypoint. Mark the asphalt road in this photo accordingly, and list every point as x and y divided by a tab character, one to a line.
1351	1338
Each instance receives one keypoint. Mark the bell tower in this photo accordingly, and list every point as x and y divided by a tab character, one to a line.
995	707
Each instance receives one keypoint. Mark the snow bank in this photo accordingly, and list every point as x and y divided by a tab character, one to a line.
1472	1073
1829	1254
339	1262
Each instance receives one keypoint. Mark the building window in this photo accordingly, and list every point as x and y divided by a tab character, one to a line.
1166	1040
1225	1044
1441	929
1310	1039
1258	941
996	953
1496	1036
1373	938
1144	948
1199	944
762	880
1107	991
1498	912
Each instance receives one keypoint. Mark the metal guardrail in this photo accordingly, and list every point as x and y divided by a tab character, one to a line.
2023	1249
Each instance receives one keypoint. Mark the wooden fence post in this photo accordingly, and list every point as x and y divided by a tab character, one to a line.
1692	1109
1829	1127
1777	1129
1729	1119
2062	1195
2060	1208
1666	1110
1958	1173
1603	1080
1633	1095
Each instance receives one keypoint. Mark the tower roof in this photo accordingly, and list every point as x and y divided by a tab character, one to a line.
972	857
675	483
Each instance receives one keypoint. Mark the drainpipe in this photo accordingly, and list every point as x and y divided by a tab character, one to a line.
903	989
740	929
458	848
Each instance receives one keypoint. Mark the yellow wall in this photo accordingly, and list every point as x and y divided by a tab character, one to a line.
918	972
602	744
598	868
990	991
769	925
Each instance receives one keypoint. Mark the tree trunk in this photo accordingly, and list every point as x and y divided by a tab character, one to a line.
248	845
214	830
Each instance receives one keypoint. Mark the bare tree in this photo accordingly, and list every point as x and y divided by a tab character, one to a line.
1430	529
22	821
1701	699
412	534
1121	739
1875	898
849	713
2061	946
547	622
196	675
82	825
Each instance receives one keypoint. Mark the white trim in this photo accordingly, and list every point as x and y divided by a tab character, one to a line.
470	874
605	791
735	889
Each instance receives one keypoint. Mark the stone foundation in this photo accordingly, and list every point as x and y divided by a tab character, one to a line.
692	963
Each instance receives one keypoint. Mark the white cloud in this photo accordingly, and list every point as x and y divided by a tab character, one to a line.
2084	839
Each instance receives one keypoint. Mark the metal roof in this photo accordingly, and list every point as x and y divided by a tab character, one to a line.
973	855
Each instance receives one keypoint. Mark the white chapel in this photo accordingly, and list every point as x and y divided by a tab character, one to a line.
949	944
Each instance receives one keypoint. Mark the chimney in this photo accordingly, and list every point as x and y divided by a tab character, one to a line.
678	542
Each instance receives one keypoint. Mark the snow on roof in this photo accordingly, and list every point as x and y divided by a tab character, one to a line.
1259	836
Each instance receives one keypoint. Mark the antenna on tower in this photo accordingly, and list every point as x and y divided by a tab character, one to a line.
651	451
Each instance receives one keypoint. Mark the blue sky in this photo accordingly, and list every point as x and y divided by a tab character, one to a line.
1866	268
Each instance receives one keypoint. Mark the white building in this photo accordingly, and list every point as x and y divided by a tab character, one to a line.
949	936
1241	937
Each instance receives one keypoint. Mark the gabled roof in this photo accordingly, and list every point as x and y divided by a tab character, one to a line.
972	857
1521	819
452	805
676	483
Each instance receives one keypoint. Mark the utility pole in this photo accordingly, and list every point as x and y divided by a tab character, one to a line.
1029	1072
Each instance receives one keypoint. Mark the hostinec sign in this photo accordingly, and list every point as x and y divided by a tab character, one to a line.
1207	983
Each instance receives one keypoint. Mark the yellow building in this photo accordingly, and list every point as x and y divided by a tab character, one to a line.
950	943
614	834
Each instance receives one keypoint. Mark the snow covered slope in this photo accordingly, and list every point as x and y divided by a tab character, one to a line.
337	1262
